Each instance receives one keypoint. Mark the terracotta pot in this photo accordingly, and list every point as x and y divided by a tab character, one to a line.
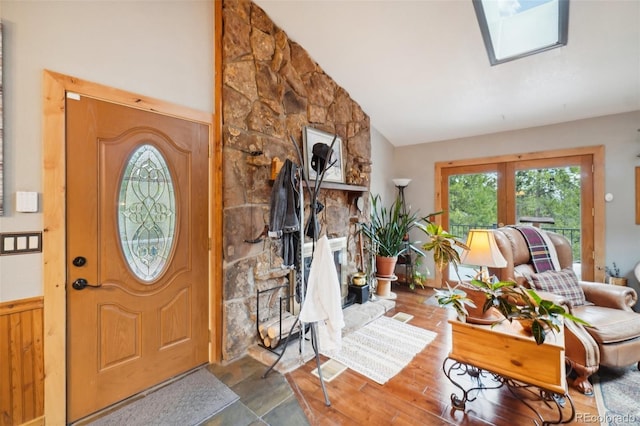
385	266
526	324
476	315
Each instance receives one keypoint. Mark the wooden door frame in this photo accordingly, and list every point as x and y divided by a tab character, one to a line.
55	86
598	191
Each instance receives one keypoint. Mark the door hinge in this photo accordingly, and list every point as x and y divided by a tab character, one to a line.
209	335
593	212
209	244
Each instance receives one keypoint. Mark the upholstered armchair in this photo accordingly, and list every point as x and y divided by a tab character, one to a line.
613	339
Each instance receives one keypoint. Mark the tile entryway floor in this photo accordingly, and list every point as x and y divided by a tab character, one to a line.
271	400
267	401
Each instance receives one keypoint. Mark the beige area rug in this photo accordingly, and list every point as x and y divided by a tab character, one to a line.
382	348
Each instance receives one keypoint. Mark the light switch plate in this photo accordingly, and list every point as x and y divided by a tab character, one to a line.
20	243
26	202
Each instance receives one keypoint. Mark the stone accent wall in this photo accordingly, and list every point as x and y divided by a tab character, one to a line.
271	89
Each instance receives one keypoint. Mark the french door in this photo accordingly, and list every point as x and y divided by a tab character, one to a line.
554	192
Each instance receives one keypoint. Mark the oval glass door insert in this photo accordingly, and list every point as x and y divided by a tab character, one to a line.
146	213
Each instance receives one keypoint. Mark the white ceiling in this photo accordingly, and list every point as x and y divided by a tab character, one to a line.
420	70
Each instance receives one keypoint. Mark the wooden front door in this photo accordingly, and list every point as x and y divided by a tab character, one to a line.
137	251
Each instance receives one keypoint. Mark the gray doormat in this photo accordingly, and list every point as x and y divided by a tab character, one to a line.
188	401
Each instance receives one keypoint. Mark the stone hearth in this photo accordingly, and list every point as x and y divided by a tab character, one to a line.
355	317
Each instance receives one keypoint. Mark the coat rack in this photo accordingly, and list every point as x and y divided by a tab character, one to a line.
322	160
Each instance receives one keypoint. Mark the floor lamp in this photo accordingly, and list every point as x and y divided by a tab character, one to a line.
401	184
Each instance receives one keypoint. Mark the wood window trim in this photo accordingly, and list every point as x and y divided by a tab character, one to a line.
598	176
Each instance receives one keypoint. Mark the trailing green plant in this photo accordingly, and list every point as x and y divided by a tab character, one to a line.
522	303
418	277
495	294
456	298
513	302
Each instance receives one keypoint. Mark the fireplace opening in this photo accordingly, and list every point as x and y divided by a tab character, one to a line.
339	249
277	307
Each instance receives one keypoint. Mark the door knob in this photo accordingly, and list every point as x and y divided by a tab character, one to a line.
79	261
81	283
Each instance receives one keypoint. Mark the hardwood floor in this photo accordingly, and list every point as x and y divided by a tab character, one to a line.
419	394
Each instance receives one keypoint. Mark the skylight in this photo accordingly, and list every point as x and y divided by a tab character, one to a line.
512	29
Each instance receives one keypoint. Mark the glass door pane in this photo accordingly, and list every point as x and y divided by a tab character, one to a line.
550	198
473	204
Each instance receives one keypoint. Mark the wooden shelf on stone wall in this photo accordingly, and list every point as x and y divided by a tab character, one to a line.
341	186
276	165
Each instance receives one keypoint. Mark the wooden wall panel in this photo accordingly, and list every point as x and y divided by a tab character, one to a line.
21	361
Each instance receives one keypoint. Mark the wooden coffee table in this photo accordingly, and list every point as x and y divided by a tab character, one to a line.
505	355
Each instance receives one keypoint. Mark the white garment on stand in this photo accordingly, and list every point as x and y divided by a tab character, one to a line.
323	302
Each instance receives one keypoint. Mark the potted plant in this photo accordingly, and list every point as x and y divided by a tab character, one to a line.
455	298
442	244
387	230
419	276
536	315
614	275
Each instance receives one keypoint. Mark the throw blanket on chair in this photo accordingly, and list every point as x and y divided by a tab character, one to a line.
540	253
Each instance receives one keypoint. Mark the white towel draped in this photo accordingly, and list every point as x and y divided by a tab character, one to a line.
323	302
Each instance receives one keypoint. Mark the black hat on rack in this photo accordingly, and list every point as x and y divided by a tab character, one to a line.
322	155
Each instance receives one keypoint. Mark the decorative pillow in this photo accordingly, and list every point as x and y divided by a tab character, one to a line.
563	283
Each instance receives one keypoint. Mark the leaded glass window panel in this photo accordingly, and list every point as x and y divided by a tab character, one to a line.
147	213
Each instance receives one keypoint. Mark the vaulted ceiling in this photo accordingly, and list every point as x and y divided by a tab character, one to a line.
420	70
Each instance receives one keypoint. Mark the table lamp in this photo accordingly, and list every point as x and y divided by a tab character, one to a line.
483	252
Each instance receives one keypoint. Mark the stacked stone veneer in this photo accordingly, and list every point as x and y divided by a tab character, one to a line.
271	90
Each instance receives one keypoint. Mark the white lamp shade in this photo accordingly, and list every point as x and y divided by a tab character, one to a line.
401	182
483	250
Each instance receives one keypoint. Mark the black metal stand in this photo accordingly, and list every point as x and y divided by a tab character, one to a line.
524	392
